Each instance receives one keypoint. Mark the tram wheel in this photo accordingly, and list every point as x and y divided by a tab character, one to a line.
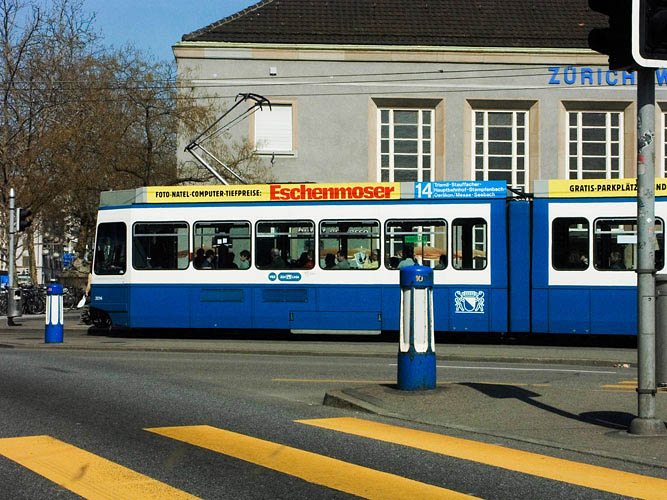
100	319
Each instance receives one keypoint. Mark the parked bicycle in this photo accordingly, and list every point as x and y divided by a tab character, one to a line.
33	299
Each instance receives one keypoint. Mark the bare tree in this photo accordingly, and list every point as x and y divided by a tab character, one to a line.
38	45
77	119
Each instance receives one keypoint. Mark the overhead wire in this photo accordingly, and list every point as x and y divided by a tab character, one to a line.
339	75
379	93
266	83
202	83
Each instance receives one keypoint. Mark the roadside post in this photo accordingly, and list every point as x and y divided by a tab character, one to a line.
13	292
636	39
53	332
646	423
416	349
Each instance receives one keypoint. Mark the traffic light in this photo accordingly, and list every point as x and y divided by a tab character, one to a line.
23	219
649	32
616	40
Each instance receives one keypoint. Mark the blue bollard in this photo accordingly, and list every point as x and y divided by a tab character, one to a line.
416	349
54	314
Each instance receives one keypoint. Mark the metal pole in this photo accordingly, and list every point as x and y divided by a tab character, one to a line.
646	423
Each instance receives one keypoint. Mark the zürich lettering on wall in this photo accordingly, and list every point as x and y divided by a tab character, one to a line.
577	75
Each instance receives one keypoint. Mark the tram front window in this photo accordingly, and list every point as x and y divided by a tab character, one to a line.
285	244
110	248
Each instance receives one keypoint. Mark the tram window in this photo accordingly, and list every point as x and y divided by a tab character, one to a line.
285	244
569	244
349	244
110	248
615	244
160	245
469	244
422	241
221	245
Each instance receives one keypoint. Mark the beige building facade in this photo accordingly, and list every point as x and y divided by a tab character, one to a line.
355	112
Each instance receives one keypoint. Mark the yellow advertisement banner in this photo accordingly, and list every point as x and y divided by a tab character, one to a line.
274	192
600	188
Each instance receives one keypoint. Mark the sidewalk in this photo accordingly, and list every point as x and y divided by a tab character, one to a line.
593	423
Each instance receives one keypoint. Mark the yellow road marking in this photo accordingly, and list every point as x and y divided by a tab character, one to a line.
318	469
628	385
84	473
590	476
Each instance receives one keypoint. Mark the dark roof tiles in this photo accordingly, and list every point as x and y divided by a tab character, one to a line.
472	23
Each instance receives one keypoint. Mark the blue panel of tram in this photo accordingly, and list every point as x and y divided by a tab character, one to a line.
518	213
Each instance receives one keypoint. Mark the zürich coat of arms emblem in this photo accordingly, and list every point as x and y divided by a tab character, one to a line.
469	301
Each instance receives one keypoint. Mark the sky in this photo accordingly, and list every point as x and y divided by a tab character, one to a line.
154	26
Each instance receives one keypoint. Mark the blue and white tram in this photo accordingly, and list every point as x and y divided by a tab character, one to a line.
302	257
584	255
318	257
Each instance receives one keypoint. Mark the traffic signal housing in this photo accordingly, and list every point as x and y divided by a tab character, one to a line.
616	40
23	219
649	32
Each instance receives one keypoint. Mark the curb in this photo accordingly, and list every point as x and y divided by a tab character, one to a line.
281	352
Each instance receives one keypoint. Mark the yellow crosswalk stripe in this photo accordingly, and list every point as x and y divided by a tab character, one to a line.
590	476
318	469
84	473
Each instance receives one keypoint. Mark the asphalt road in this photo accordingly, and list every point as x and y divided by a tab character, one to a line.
103	402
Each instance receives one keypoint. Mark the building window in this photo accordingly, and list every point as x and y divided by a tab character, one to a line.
595	144
406	145
274	130
500	146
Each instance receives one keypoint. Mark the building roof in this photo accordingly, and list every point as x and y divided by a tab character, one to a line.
467	23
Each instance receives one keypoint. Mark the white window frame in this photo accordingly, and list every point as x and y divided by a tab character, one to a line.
282	142
608	142
420	142
514	140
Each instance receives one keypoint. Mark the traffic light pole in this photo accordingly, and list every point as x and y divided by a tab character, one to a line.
646	423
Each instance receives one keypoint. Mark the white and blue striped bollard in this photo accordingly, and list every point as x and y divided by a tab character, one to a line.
416	349
54	314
